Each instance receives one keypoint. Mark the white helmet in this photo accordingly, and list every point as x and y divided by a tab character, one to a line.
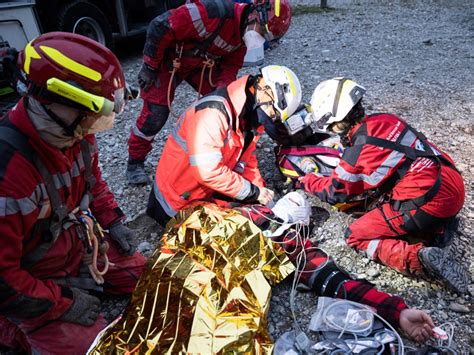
286	89
333	99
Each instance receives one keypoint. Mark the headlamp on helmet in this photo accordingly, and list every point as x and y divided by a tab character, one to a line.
94	103
274	17
286	89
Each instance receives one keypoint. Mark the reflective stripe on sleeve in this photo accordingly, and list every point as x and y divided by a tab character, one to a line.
197	20
38	200
222	44
205	159
381	172
244	191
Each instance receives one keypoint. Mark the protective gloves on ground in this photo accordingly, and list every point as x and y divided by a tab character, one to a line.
84	309
147	77
292	208
125	237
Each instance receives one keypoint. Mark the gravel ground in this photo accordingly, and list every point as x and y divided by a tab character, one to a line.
415	59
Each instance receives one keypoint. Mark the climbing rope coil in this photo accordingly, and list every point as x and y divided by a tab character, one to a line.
95	245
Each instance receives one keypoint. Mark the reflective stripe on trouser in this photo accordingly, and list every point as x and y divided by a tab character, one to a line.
68	338
147	126
371	235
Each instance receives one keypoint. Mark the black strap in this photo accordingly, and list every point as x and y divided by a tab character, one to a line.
411	155
51	228
203	46
18	141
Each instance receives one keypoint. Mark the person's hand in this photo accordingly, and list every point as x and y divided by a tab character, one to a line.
125	237
147	77
307	182
416	324
265	195
84	309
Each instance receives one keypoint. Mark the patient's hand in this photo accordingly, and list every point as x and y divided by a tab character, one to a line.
416	324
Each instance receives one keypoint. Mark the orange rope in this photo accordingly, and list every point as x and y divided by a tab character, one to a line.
91	260
176	66
208	63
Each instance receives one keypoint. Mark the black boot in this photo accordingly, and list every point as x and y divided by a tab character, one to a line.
136	174
441	264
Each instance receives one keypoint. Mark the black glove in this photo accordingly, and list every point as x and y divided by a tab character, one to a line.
147	77
84	309
125	237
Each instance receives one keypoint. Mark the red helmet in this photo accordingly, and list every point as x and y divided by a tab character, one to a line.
74	70
275	15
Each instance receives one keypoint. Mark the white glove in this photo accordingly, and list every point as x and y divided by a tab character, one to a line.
292	208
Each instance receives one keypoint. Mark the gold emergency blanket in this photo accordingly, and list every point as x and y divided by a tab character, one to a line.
206	290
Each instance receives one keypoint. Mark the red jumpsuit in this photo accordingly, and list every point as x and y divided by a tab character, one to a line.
206	29
30	301
382	233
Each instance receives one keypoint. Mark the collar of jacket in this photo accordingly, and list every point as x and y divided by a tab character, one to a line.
54	158
237	95
353	131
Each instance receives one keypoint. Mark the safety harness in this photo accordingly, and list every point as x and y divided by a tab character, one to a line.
61	218
200	50
420	220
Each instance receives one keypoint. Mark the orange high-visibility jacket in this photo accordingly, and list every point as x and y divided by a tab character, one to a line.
205	153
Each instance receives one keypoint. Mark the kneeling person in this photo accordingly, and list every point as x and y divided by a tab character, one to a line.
421	188
212	146
50	183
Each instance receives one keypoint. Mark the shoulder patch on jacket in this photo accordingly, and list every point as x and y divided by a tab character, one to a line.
214	105
155	32
219	8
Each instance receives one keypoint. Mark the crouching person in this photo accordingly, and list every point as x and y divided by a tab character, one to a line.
54	201
421	190
211	149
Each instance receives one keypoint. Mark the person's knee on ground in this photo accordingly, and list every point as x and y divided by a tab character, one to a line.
155	211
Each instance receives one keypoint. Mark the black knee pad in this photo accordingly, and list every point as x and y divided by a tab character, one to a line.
155	120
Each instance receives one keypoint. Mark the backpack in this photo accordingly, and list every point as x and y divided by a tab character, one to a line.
319	154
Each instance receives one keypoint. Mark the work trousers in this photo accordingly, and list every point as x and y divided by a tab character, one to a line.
394	237
58	337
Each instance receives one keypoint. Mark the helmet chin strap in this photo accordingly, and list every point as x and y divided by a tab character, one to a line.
258	88
68	129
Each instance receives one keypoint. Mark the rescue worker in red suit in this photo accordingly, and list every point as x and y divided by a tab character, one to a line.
210	152
203	43
421	190
50	186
